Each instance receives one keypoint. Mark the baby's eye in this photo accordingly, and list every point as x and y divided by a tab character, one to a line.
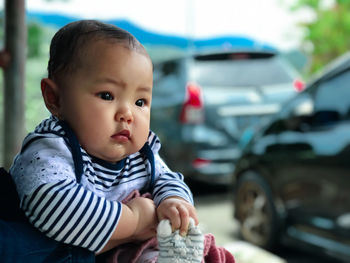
105	95
140	102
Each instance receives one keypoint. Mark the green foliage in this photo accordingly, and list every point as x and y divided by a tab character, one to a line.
329	33
35	38
36	65
35	107
1	31
38	48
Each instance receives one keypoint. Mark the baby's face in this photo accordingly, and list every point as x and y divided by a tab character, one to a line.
107	102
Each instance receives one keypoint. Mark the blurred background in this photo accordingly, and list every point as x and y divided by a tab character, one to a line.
225	73
166	28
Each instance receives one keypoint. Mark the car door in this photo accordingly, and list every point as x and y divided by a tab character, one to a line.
314	171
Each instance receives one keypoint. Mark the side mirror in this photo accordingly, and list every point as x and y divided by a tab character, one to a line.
305	108
300	117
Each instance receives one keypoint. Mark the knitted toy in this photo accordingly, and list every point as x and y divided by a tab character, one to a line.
174	248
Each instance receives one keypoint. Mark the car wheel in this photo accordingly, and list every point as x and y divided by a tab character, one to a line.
256	211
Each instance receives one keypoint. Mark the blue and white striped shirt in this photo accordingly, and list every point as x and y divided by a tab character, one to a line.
84	213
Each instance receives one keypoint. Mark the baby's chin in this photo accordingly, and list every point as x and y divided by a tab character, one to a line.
115	155
114	158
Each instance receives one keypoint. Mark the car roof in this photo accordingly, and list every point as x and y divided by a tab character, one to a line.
232	51
212	53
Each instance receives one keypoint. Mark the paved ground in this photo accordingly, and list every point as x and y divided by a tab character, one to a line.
215	215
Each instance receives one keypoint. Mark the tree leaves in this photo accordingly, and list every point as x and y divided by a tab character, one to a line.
329	34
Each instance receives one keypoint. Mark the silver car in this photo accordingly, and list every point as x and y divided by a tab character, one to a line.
203	102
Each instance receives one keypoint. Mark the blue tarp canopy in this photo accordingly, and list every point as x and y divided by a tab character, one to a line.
149	38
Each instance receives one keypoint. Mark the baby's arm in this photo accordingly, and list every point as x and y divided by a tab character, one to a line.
66	211
173	197
137	222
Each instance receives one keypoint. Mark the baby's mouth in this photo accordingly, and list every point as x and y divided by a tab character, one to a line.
122	136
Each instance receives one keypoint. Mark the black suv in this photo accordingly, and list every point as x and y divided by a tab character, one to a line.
202	102
292	182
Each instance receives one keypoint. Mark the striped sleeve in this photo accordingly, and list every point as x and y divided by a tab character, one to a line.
169	183
54	202
68	213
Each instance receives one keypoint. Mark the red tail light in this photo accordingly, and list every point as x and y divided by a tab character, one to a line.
193	109
200	162
299	85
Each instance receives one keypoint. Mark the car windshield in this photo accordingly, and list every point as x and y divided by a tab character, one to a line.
242	71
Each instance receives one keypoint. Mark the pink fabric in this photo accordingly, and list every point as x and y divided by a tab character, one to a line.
214	254
132	252
137	252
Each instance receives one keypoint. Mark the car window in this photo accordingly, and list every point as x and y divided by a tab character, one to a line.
164	70
166	79
333	95
293	112
241	72
329	104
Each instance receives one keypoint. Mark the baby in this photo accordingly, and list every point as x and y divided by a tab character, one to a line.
76	168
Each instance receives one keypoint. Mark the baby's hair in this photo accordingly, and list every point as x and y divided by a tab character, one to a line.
69	43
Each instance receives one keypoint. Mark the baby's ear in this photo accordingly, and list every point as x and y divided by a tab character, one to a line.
50	93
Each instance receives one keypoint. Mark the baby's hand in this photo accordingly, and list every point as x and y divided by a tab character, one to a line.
145	211
178	211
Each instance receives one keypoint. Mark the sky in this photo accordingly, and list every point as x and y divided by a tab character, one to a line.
268	21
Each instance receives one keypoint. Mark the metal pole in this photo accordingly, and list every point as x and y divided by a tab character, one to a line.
14	75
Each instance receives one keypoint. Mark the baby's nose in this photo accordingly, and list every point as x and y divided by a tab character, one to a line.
124	115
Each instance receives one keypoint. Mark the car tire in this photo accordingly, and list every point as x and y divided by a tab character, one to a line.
256	211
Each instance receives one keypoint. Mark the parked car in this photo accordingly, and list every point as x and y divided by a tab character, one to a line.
203	101
292	181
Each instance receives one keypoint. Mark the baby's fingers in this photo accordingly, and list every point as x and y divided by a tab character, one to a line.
185	220
173	215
